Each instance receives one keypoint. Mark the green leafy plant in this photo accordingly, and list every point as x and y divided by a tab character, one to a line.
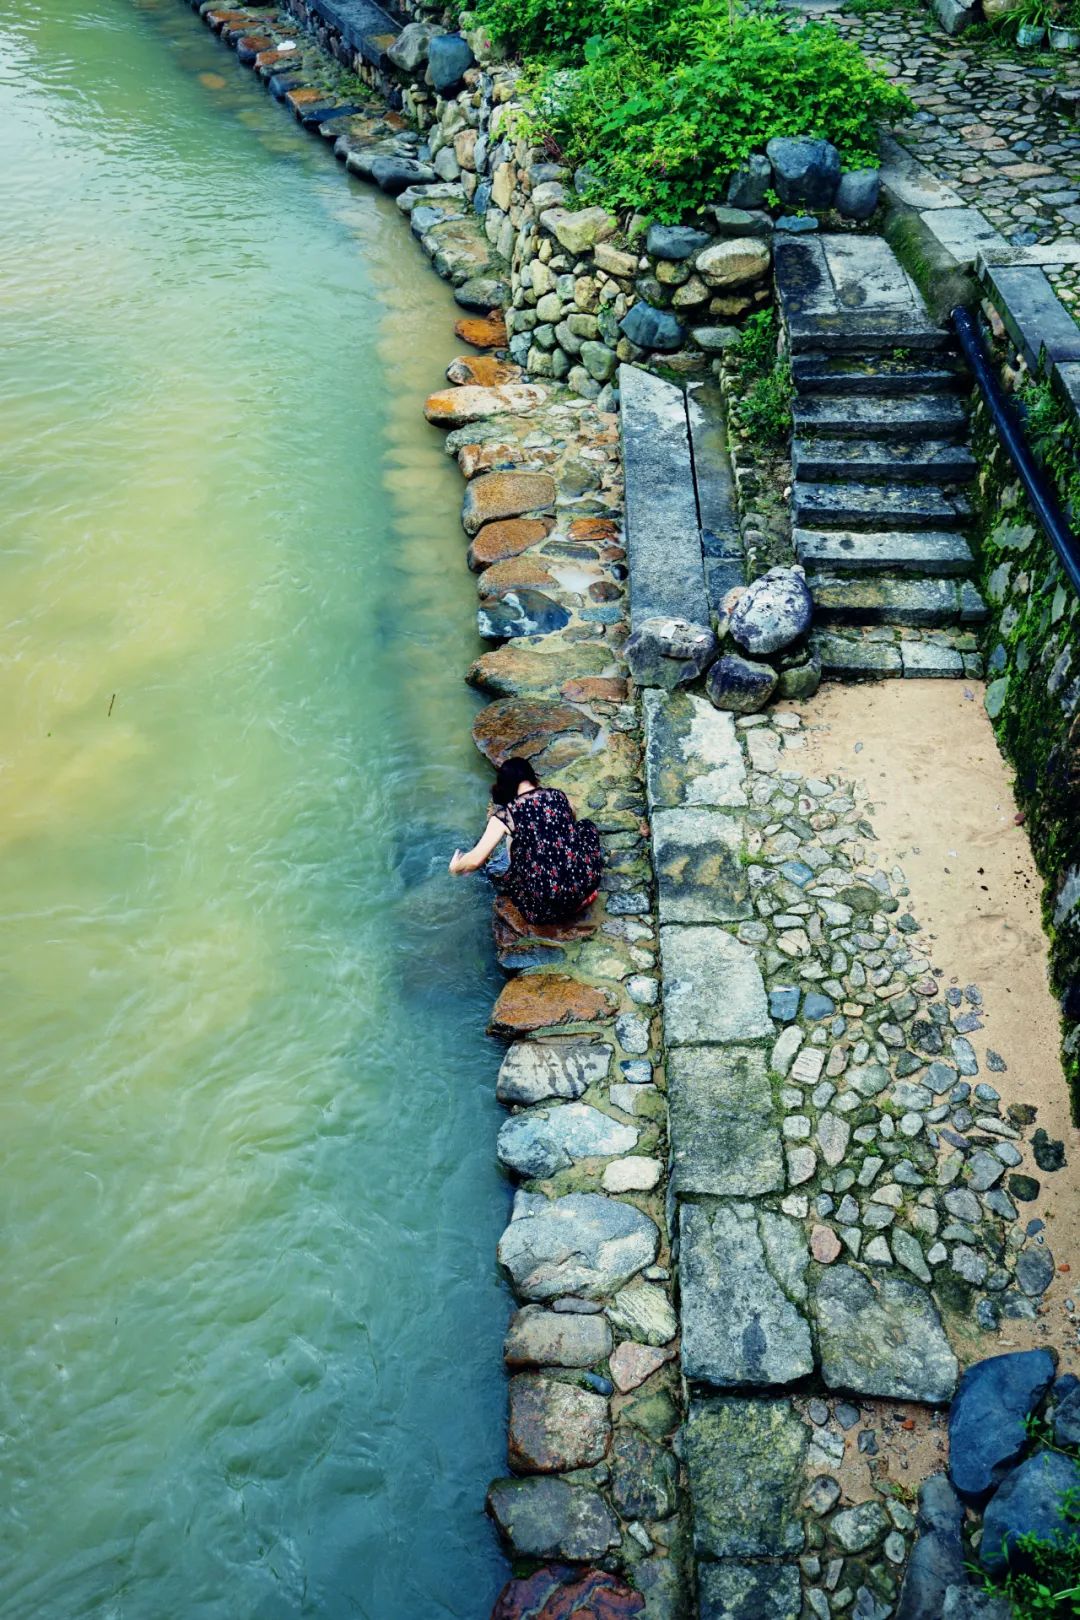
1054	437
762	405
663	101
1043	1575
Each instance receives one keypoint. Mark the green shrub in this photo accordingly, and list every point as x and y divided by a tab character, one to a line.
762	408
1052	432
664	102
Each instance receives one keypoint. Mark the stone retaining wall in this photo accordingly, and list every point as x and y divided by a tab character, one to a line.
1033	699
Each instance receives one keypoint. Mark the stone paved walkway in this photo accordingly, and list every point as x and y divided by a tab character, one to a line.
985	125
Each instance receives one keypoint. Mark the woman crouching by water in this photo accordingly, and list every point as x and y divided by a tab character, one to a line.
555	860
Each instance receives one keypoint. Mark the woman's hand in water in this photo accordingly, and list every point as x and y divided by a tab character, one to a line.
455	862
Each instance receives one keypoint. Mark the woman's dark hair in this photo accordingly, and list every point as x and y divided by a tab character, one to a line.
509	777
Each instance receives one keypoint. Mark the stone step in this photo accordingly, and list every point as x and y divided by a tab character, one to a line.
879	461
883	600
866	332
876	655
918	416
853	505
883	375
925	551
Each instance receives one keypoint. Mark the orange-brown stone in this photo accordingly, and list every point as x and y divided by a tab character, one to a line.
535	1001
510	925
509	538
595	688
478	458
593	528
483	332
506	494
516	669
482	369
303	98
514	574
274	58
526	726
555	1426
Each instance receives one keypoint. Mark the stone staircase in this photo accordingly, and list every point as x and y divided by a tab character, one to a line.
880	458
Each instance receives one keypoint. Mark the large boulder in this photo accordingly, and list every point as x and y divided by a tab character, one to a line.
748	185
581	1244
987	1431
937	1559
669	652
540	1338
858	193
410	50
542	1141
534	1071
772	612
734	262
806	172
449	59
651	328
542	1517
555	1426
1030	1501
740	685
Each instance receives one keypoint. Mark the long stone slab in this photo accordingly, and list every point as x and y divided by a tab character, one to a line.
692	753
667	574
362	24
745	1459
866	274
1036	319
724	1137
699	872
741	1591
964	232
723	553
741	1268
907	181
713	989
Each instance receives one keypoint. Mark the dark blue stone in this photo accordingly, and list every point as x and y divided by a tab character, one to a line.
520	613
675	241
449	59
784	1002
652	328
797	872
987	1432
815	1005
1029	1501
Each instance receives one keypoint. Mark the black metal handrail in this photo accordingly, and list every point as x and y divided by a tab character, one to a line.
1007	423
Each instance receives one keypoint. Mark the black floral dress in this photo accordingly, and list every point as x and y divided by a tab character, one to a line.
555	860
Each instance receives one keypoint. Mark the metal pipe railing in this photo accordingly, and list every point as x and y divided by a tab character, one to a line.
1044	502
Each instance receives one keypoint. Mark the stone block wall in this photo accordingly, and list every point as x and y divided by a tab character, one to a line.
1033	698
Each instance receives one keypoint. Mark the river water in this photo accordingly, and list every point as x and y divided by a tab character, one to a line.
249	1344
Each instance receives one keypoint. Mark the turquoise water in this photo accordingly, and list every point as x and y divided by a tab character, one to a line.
249	1352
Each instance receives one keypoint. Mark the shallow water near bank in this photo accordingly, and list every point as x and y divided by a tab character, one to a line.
251	1321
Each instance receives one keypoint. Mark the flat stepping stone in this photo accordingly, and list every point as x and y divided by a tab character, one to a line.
746	1462
916	551
540	1338
725	1140
541	1517
541	1141
504	495
881	1338
740	1267
544	1000
853	505
916	416
692	753
530	726
583	1244
534	1071
553	1426
883	461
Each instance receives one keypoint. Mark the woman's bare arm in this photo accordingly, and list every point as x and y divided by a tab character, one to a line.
482	851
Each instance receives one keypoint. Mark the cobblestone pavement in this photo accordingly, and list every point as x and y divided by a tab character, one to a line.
985	124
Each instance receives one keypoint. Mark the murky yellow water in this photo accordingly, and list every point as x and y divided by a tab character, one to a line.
250	1327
